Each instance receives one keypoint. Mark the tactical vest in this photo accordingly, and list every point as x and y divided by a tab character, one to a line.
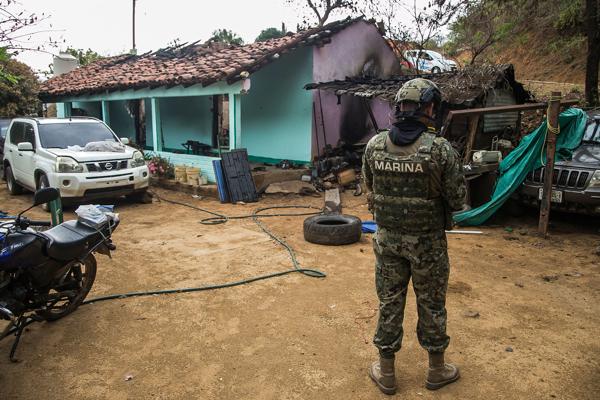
406	188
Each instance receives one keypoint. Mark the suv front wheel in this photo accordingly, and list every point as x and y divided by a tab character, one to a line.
11	184
41	184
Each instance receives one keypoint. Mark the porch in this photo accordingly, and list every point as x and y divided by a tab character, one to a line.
187	125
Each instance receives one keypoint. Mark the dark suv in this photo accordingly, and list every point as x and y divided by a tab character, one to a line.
575	183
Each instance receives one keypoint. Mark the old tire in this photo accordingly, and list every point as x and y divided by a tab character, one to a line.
13	187
332	230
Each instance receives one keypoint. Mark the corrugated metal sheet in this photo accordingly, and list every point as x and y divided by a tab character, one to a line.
498	122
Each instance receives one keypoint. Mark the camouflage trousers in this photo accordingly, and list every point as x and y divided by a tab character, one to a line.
400	256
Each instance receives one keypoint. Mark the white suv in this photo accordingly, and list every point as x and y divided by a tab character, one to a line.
429	61
42	152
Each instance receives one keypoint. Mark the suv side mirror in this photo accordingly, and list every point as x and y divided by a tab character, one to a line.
25	146
124	140
45	195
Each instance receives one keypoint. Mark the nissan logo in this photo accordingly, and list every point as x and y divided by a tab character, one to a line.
108	166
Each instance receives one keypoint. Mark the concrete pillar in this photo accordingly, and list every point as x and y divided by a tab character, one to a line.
156	124
105	112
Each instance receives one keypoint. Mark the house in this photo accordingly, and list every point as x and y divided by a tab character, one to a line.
188	103
471	87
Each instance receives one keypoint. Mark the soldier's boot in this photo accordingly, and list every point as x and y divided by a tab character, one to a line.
384	375
440	374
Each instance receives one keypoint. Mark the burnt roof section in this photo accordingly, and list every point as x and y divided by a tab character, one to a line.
183	65
461	88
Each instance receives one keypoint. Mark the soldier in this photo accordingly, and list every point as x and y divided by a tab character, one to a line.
415	181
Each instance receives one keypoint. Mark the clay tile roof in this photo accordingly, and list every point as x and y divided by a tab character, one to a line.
182	65
463	87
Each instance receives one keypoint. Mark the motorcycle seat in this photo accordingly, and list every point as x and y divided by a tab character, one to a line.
70	240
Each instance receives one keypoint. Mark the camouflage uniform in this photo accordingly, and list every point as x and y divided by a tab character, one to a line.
414	189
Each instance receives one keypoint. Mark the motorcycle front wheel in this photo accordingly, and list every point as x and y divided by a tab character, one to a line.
70	291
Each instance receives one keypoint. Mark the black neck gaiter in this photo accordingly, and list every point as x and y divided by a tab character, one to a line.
406	131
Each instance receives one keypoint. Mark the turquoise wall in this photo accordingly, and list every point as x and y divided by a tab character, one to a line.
277	111
91	108
120	120
185	118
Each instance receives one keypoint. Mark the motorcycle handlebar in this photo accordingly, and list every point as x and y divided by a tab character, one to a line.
39	223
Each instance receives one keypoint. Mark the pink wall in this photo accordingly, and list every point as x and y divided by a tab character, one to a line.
358	50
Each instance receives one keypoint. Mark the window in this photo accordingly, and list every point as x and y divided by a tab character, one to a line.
17	133
29	134
62	135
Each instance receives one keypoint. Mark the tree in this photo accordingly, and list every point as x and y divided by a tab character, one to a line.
322	9
592	31
425	24
17	26
226	36
18	97
478	28
269	33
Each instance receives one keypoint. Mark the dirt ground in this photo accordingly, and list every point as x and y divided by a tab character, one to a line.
296	337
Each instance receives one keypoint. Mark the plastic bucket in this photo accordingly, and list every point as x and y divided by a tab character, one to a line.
192	174
180	174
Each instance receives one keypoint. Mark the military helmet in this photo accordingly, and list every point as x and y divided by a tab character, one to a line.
420	91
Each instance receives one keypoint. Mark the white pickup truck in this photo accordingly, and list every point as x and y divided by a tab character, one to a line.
82	157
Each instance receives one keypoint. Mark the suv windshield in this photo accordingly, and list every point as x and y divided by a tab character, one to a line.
592	132
4	123
67	134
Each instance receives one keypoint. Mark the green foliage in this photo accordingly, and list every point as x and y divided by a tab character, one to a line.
19	94
226	36
269	33
84	57
5	76
570	16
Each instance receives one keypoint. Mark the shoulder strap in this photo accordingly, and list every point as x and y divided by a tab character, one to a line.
427	139
379	141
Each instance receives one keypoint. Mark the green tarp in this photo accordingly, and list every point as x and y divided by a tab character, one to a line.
527	157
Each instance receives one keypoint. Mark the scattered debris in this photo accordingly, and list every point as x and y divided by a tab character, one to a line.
470	314
509	349
519	284
508	229
574	274
290	187
339	167
128	377
550	278
333	202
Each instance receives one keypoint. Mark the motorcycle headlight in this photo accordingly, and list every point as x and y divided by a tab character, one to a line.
67	164
138	159
595	182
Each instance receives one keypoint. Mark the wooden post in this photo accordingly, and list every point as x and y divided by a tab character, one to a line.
473	123
552	122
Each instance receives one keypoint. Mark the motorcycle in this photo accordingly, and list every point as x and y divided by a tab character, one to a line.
47	274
